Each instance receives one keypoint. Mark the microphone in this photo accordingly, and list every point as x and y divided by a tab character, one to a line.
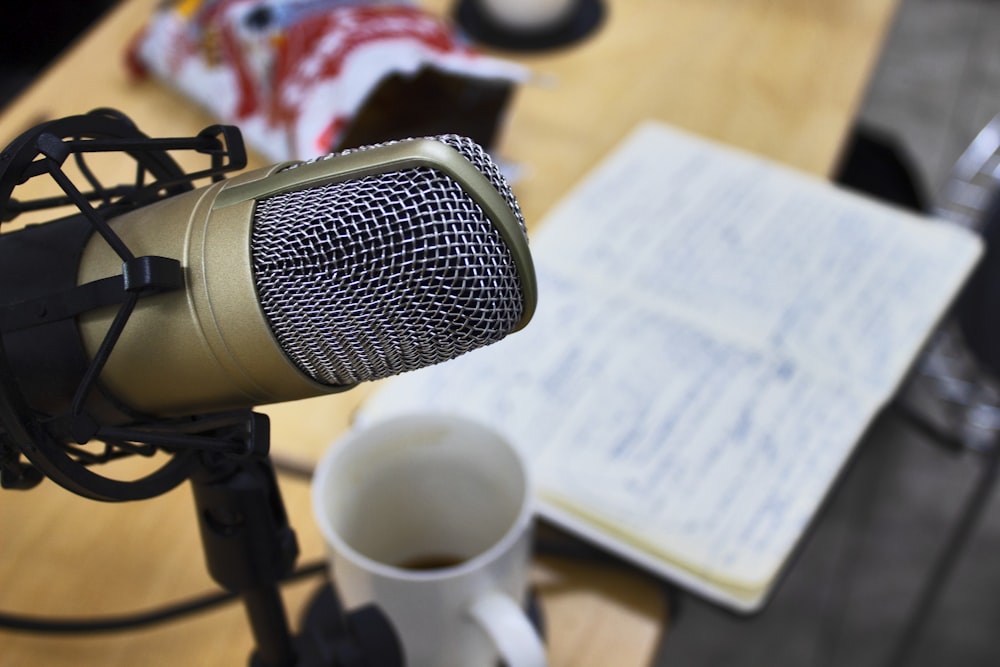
155	321
299	279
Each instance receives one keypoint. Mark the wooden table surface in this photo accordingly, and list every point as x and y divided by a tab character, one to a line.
782	78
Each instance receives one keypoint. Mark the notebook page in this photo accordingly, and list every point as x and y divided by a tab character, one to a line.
713	336
703	453
756	251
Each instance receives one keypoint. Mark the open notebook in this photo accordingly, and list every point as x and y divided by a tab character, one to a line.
714	334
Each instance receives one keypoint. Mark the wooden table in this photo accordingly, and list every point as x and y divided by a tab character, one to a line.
779	77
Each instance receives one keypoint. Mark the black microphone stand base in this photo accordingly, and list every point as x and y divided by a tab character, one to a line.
331	637
585	18
325	625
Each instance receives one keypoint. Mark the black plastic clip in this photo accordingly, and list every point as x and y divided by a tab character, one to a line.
151	274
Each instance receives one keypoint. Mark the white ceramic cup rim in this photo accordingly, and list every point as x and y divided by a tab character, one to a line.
331	458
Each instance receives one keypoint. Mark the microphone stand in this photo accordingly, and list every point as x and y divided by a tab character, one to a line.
249	546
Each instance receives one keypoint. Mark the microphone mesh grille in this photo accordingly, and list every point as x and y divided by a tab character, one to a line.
384	274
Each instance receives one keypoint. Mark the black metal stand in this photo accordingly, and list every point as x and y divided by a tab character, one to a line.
330	636
250	548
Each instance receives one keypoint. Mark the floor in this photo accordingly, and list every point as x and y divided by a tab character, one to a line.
855	580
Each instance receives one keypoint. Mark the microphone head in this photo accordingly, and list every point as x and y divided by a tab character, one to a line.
389	258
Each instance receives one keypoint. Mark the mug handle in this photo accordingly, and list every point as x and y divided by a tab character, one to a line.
511	632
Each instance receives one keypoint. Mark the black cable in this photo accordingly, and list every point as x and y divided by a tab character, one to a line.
551	543
135	620
209	601
290	466
54	625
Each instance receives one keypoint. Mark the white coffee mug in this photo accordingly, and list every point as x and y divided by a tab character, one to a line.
429	517
527	14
